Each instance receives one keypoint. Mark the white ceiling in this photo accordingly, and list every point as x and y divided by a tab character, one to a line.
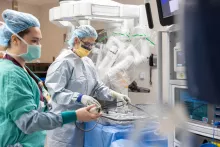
38	2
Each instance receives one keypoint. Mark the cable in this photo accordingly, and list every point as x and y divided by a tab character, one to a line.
139	108
114	119
113	103
110	118
88	129
151	116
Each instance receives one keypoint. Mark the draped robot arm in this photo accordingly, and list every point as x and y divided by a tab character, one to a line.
122	70
113	47
117	65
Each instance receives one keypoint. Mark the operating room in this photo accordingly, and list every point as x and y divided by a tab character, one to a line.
109	73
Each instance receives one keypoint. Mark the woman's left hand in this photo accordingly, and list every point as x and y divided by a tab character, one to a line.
121	97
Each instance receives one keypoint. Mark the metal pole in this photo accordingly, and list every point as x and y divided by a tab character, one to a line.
159	68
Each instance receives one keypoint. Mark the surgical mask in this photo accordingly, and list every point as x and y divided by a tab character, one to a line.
83	51
33	51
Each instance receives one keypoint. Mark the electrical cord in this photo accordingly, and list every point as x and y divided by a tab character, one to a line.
113	103
133	119
137	107
110	118
140	109
114	119
88	129
105	107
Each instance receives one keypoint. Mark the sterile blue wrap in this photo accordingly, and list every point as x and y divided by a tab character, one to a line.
208	145
116	136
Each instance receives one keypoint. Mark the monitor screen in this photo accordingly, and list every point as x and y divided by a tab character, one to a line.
181	62
169	7
197	110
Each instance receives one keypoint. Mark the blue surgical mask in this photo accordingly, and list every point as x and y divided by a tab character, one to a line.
33	51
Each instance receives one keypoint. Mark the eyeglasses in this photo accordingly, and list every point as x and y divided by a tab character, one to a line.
88	45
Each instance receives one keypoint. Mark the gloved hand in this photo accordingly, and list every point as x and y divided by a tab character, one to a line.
85	114
121	97
88	100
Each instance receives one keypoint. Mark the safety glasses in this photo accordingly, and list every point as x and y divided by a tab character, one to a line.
88	45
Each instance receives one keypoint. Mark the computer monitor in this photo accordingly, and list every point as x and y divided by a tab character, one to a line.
167	9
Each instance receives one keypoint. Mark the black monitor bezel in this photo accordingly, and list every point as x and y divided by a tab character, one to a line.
164	21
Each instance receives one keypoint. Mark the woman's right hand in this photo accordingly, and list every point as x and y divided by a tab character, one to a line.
84	114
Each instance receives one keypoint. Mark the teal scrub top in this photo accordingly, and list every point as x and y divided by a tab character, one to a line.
19	94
